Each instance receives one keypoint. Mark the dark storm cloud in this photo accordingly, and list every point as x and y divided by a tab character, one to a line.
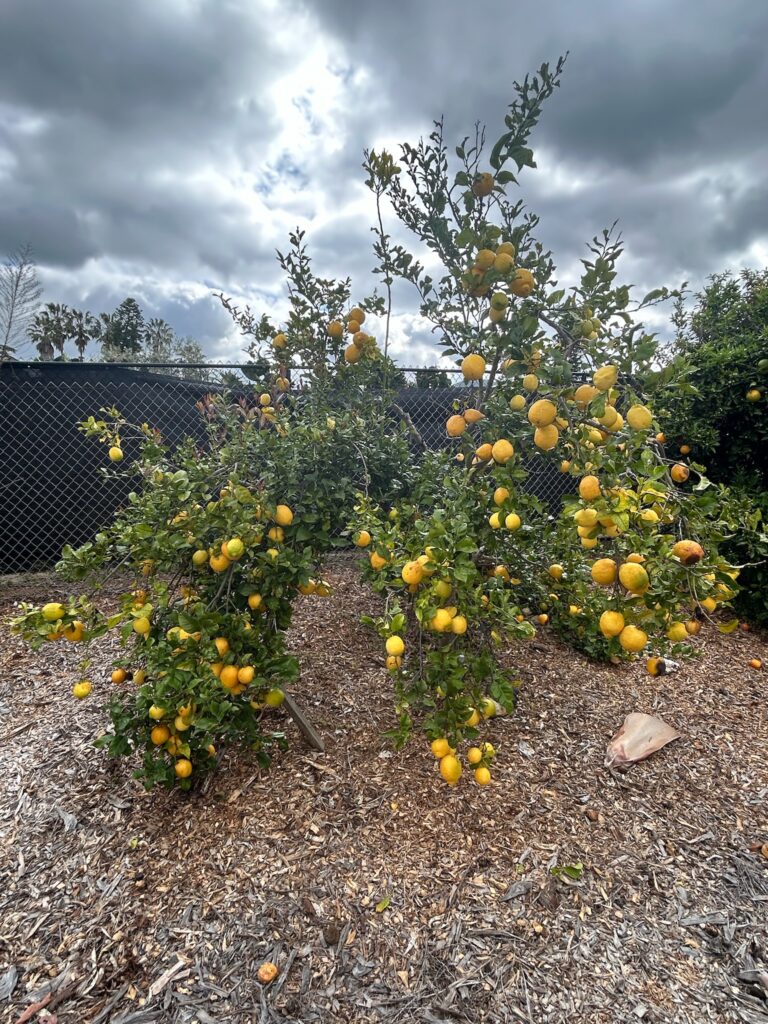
141	149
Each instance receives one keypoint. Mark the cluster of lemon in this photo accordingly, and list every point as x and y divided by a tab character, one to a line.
362	344
220	557
504	516
54	612
480	758
494	267
586	325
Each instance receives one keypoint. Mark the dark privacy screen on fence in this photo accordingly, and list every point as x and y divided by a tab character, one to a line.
53	490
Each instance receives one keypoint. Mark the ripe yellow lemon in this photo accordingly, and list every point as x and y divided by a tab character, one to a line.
585	517
53	611
363	539
141	625
605	378
677	632
222	645
634	578
483	184
639	417
450	769
494	521
482	776
412	573
679	473
458	625
546	438
485	259
455	426
556	571
503	262
522	283
507	248
245	675
611	623
633	639
352	354
589	488
219	563
473	367
584	394
254	602
440	747
530	382
636	557
441	620
485	452
542	413
589	542
502	451
517	403
473	415
335	330
283	515
228	676
116	454
160	734
500	495
474	755
395	646
377	561
183	768
513	521
82	689
604	571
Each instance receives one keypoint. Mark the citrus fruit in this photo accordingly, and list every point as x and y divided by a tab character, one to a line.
283	515
458	625
530	382
377	561
517	403
483	184
160	734
639	417
513	521
611	623
485	259
440	747
254	602
219	563
688	551
500	495
482	776
440	621
395	645
679	473
413	573
605	377
183	768
119	675
677	632
589	488
556	571
604	571
633	639
455	426
82	689
474	755
116	453
634	578
546	438
542	413
141	625
450	769
363	539
473	367
584	394
53	611
502	451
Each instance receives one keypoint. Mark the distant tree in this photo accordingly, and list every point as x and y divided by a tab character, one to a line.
123	332
50	329
159	340
83	327
20	292
430	378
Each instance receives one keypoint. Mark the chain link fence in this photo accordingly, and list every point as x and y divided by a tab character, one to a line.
52	488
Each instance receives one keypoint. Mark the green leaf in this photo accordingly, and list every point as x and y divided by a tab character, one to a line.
382	905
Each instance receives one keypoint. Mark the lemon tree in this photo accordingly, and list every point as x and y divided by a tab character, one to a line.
630	565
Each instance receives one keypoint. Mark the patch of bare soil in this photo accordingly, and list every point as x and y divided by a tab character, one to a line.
127	907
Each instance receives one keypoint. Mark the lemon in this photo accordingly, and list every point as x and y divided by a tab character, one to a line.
502	451
53	611
633	639
513	521
473	367
363	539
605	378
482	776
283	515
395	646
546	438
517	403
450	769
530	382
604	571
639	417
611	623
542	413
634	578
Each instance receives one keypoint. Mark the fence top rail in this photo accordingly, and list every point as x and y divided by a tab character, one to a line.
38	363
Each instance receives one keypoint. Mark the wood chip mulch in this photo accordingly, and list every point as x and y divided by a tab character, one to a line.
381	894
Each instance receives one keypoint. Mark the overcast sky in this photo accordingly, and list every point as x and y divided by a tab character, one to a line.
164	148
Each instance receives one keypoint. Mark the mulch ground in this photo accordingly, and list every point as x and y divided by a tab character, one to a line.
126	907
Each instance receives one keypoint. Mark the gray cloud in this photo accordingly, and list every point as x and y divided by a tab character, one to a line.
164	150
